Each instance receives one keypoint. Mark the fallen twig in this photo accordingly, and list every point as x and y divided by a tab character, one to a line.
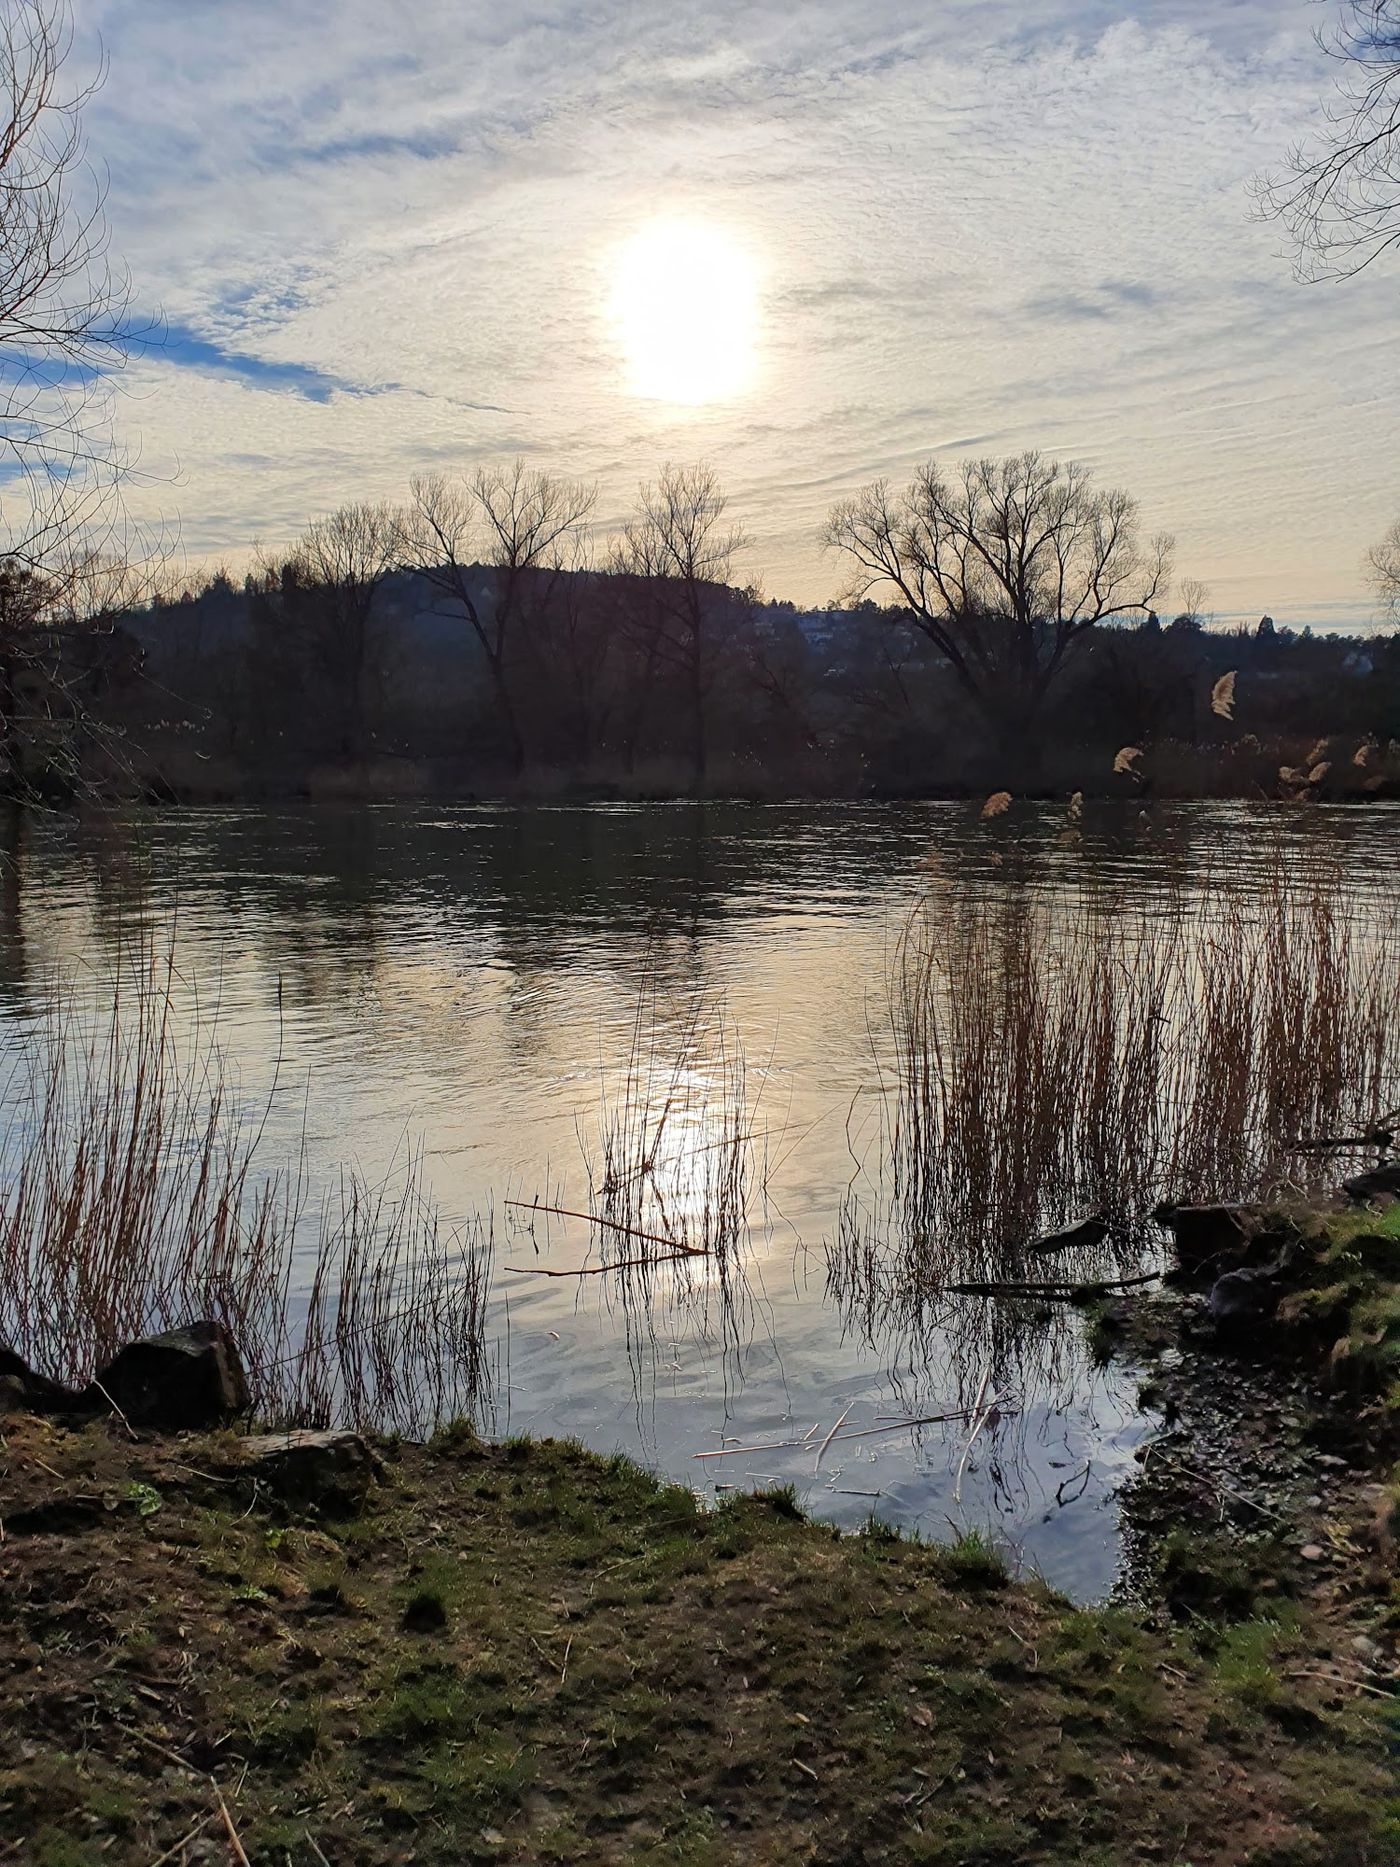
1362	1685
130	1430
232	1832
611	1225
171	1756
1050	1291
599	1270
866	1432
184	1840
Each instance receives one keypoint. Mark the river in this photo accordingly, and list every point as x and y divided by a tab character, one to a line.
482	981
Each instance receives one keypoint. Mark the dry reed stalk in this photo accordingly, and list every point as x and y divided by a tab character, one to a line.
1052	1058
131	1200
672	1159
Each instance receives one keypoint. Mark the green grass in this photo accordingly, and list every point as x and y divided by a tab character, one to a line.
1343	1298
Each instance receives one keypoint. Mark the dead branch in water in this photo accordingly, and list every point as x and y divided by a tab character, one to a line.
1051	1291
866	1432
612	1225
821	1449
980	1421
598	1270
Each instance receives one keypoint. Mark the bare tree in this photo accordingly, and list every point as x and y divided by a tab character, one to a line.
62	646
63	334
327	590
1384	563
1003	565
63	314
1339	194
573	644
1195	603
519	522
679	555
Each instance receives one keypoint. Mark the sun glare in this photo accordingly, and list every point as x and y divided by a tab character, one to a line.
685	303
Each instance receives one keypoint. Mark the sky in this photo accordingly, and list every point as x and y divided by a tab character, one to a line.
810	243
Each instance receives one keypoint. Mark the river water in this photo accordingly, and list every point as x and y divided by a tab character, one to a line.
482	981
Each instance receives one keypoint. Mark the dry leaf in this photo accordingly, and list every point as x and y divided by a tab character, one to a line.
1289	774
1076	807
1362	755
998	803
1319	772
1222	696
1318	753
1125	758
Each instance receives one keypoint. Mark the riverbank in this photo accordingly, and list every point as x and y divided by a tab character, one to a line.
1280	771
522	1652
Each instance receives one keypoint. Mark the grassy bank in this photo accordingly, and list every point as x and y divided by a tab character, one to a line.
525	1653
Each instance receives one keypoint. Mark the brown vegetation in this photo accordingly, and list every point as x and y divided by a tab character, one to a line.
1054	1060
131	1198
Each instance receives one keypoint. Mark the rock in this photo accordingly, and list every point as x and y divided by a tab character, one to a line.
185	1379
1087	1232
1380	1183
1367	1648
308	1470
1311	1552
1241	1300
24	1391
1207	1235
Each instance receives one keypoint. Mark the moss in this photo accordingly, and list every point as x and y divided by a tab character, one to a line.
1342	1272
54	1848
972	1560
1201	1574
782	1501
1245	1662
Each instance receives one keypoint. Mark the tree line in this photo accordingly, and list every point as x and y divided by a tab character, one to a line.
1003	621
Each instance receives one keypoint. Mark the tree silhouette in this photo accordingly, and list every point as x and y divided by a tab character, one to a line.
1339	194
1003	565
516	520
678	554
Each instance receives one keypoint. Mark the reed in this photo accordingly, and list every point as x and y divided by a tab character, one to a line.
672	1152
132	1199
1055	1058
675	1164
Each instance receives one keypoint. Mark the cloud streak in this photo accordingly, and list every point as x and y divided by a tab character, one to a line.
182	348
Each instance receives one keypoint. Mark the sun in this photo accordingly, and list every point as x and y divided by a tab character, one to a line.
685	304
